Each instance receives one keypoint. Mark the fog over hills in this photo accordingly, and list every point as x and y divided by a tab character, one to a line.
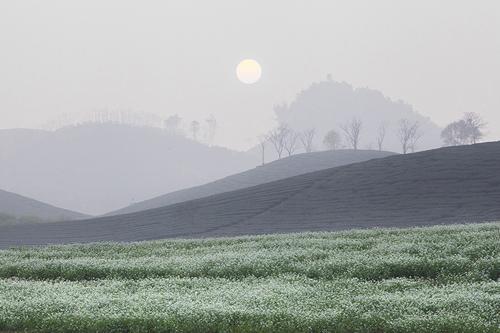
97	168
18	209
329	104
446	185
279	169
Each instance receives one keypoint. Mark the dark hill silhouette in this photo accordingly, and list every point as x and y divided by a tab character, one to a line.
328	104
18	209
279	169
446	185
99	168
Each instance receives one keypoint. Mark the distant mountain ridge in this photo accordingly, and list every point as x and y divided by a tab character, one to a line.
279	169
97	168
442	186
15	208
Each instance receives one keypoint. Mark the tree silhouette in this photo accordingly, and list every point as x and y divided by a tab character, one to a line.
278	138
332	140
352	131
195	128
172	123
291	141
474	125
307	139
468	130
211	128
408	134
381	136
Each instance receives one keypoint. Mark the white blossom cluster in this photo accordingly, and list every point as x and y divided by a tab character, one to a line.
437	279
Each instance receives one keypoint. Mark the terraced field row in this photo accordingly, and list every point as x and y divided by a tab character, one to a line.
437	279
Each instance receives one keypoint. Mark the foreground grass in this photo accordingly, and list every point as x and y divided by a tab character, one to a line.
438	279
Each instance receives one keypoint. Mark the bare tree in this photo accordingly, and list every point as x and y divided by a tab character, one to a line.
262	145
381	136
171	124
291	141
352	131
195	128
278	138
332	140
211	128
306	139
475	125
414	139
408	134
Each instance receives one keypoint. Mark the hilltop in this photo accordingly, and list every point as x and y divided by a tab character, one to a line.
328	104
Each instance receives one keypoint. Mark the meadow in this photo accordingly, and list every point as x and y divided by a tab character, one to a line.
434	279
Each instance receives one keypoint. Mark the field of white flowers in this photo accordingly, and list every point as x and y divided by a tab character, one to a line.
437	279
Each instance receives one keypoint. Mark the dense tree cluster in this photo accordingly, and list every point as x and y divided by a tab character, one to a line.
468	130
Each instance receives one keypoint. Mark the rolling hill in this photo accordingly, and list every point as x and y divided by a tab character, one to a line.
279	169
441	186
98	168
18	209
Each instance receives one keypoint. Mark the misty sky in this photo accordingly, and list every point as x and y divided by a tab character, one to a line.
179	56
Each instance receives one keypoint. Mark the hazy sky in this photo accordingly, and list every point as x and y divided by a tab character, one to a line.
179	56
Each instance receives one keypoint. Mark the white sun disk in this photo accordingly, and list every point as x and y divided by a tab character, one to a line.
248	71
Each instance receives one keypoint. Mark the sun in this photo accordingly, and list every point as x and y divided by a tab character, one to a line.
248	71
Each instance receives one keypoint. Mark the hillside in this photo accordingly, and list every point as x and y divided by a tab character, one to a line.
446	185
279	169
100	168
18	209
329	104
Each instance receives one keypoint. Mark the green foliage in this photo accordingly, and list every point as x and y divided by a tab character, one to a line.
437	279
